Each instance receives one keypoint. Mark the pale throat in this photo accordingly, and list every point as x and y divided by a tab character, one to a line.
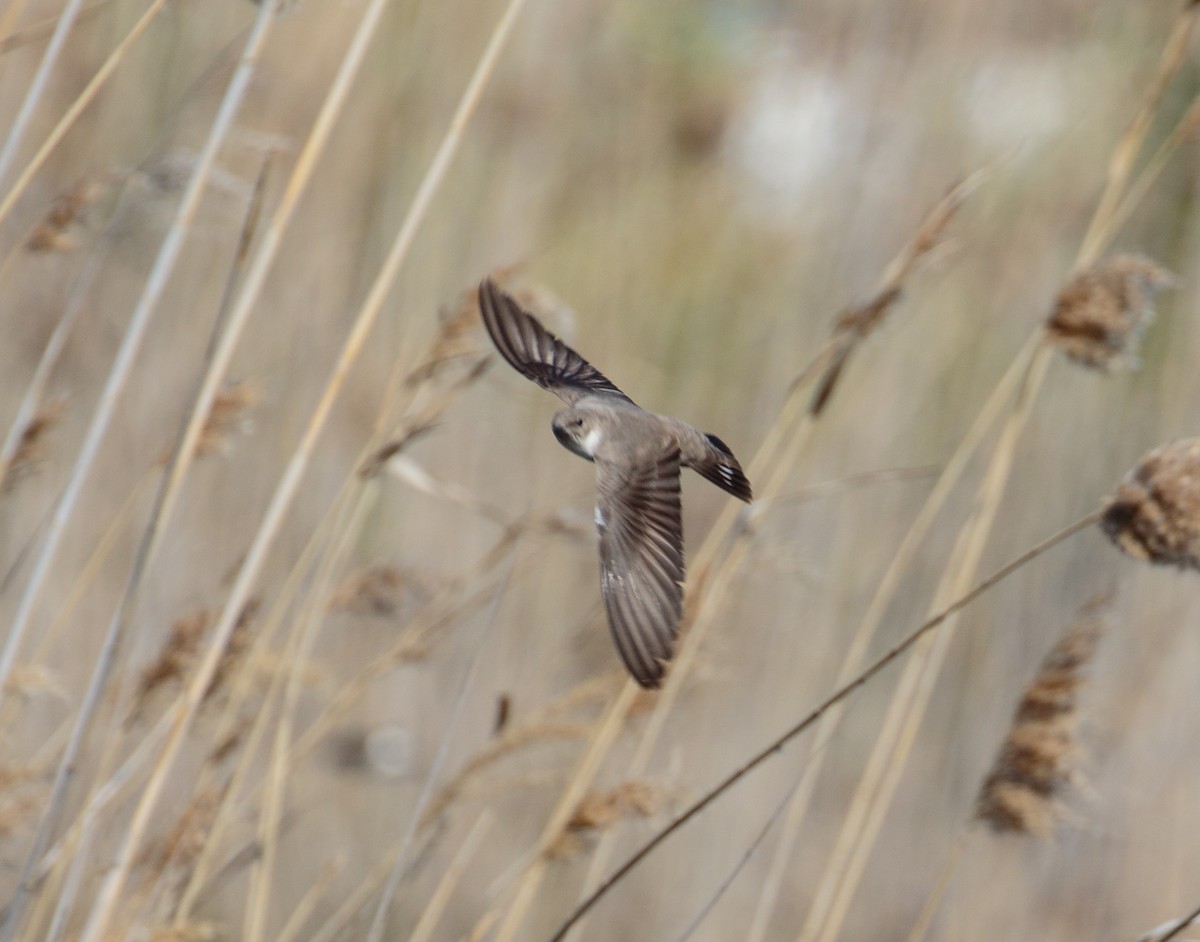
591	441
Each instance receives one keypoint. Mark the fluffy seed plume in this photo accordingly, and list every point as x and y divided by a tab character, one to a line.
57	230
379	590
1023	792
1098	318
602	809
31	448
182	649
227	416
1155	513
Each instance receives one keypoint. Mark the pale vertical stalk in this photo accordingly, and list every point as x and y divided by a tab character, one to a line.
933	901
308	903
298	654
865	633
531	880
37	87
479	642
781	449
160	274
877	786
9	18
156	284
1120	165
868	809
450	879
184	711
82	100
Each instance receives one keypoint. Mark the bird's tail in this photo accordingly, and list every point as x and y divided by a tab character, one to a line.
722	468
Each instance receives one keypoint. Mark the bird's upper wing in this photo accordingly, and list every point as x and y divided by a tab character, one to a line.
535	352
641	560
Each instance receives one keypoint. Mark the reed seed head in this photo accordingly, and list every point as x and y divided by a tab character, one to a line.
31	448
1155	513
228	415
1023	792
600	810
1098	318
57	232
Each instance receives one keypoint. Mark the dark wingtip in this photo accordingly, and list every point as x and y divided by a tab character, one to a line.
728	475
719	445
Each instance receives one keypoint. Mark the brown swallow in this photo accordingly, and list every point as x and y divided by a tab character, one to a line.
637	455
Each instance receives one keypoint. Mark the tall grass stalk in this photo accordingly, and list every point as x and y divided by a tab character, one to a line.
902	720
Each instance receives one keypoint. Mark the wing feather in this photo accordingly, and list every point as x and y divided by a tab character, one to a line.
536	353
641	561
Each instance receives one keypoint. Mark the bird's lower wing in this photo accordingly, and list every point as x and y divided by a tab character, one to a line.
640	520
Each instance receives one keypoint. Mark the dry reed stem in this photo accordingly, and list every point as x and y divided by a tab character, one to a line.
37	87
907	643
308	902
156	283
35	391
451	877
106	659
941	885
1170	930
1129	147
155	286
35	31
11	15
858	322
860	643
902	720
77	107
606	733
776	457
417	814
280	501
1021	792
335	925
411	645
1185	129
227	727
344	516
512	741
270	810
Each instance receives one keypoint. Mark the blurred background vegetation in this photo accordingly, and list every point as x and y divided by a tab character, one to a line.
693	191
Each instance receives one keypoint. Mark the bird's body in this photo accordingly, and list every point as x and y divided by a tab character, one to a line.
638	456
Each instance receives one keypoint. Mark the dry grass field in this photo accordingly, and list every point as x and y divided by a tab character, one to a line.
302	636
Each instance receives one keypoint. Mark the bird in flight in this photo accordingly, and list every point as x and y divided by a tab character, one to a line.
638	456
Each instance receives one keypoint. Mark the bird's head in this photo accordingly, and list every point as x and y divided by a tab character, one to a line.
577	431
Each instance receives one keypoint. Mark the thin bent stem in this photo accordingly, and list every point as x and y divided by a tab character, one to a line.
817	712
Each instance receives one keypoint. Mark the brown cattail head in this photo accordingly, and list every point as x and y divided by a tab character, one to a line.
1155	513
1035	766
1099	316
